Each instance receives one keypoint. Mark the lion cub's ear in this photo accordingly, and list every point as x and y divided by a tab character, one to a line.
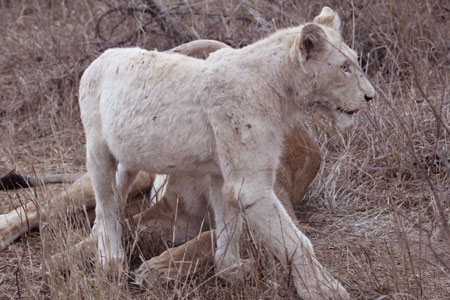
311	41
329	18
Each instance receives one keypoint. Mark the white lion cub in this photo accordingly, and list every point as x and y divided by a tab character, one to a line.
224	117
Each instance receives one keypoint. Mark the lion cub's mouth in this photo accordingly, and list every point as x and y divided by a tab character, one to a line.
348	112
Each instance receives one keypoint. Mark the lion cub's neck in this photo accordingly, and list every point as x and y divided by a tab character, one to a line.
272	65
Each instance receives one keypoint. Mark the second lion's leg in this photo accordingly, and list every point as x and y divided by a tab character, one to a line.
181	215
178	262
124	179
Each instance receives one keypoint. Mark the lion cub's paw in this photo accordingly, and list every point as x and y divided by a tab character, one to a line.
334	290
110	256
338	292
328	291
236	273
342	292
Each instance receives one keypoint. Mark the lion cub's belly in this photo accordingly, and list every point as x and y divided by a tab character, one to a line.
164	138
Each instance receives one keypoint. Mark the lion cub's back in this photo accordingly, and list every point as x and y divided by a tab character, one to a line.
134	69
134	79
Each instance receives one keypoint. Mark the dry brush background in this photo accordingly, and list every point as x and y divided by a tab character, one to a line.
377	214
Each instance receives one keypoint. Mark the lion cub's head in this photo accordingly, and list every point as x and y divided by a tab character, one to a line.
339	87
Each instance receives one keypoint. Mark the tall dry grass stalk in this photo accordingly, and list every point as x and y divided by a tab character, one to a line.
378	213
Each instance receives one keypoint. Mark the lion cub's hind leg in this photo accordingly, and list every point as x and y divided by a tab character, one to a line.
102	167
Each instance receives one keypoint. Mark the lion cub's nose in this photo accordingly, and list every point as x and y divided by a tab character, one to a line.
368	98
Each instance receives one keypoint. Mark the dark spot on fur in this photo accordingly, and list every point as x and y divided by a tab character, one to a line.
237	129
249	126
290	91
154	118
249	205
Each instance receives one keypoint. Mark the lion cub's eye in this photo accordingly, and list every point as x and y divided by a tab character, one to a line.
346	68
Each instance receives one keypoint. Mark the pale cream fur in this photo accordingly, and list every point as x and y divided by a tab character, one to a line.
224	118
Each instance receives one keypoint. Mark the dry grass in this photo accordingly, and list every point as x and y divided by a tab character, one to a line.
377	213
